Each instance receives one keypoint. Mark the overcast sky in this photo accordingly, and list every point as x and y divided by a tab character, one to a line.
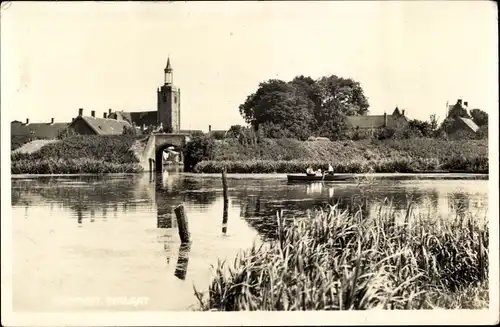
58	57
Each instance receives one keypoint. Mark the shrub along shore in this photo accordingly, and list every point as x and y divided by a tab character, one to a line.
115	154
342	261
387	156
80	155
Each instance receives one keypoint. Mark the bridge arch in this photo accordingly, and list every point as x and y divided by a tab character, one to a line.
159	154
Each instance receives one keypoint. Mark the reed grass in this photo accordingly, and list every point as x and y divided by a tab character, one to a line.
341	261
382	165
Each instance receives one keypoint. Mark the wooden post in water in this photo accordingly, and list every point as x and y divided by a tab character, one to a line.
226	201
182	223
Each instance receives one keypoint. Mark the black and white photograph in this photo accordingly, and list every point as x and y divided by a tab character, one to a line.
249	163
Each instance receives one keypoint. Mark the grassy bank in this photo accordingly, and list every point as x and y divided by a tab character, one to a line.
80	154
389	165
341	261
291	156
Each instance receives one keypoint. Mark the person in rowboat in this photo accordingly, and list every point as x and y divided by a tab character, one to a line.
330	170
309	171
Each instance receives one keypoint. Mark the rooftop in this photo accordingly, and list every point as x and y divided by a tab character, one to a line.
39	130
104	126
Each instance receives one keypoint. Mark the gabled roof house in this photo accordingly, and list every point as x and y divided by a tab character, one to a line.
92	125
37	130
377	121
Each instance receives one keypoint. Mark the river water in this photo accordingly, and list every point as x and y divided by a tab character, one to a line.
111	242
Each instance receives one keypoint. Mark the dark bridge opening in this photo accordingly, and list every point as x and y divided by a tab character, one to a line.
168	155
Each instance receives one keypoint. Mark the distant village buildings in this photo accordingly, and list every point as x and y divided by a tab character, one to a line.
461	125
48	130
165	118
373	123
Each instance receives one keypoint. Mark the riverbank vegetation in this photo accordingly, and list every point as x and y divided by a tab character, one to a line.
305	121
80	154
291	156
340	261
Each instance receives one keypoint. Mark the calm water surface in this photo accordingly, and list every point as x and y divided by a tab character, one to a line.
80	241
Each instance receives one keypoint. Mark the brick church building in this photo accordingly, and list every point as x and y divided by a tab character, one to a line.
166	118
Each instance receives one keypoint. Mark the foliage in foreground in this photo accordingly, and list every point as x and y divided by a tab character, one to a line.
341	261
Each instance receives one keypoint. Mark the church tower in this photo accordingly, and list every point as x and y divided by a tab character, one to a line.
169	103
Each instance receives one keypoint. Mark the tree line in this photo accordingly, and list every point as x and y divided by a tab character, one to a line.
305	107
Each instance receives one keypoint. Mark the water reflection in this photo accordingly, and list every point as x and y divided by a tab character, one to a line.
225	216
257	199
125	226
182	261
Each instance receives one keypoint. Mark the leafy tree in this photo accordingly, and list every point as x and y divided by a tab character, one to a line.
303	107
219	135
482	132
433	122
345	95
310	89
340	97
198	149
280	105
446	126
423	128
234	131
479	117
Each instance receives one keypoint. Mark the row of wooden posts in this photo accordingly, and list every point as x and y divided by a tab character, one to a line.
182	220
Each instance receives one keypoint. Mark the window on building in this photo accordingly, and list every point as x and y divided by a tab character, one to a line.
175	98
164	98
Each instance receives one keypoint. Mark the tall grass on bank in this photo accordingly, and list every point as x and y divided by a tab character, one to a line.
340	261
72	166
385	165
346	151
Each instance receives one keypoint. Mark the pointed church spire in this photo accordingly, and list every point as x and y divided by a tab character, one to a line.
168	68
168	72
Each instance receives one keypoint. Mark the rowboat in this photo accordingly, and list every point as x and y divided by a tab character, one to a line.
312	178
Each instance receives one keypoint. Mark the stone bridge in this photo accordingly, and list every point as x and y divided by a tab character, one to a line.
156	143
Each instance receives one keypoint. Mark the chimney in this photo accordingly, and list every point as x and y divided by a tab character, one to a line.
109	111
80	112
92	113
466	104
104	115
27	121
402	112
52	121
385	119
209	128
459	101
